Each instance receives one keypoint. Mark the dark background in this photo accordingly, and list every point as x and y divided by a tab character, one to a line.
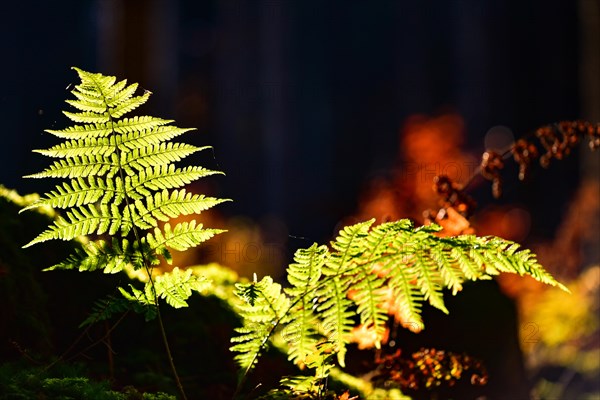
303	101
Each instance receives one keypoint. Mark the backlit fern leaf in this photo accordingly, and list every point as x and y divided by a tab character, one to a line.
165	177
110	257
105	308
88	117
125	125
262	308
334	307
165	205
139	124
369	284
163	154
120	181
80	147
177	286
83	221
79	167
180	238
301	332
120	93
150	137
78	191
128	105
369	273
143	301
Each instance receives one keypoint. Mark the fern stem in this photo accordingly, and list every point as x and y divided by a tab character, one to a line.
84	333
148	270
109	352
168	350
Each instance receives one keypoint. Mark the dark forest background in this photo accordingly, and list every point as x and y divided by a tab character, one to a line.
303	101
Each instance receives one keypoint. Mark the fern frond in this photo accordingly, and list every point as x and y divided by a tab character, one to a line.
97	155
82	221
349	246
265	305
81	147
165	205
501	255
105	308
143	301
88	103
301	332
111	258
126	125
336	314
180	238
120	186
429	279
164	177
77	132
88	117
369	286
139	124
79	192
79	167
370	272
176	287
162	154
128	105
453	276
147	138
119	92
407	296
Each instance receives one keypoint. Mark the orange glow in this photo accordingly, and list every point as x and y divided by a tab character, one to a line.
428	147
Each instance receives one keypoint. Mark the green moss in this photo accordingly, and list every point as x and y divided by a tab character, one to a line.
62	382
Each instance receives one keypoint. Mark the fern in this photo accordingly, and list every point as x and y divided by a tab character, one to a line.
120	180
303	276
264	307
333	288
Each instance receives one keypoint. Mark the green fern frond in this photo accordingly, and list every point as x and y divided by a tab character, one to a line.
263	307
121	181
88	117
105	308
125	106
83	221
125	125
335	307
164	177
162	154
180	238
301	331
79	167
81	147
89	104
139	124
143	301
150	137
165	205
370	285
176	287
110	257
79	191
355	279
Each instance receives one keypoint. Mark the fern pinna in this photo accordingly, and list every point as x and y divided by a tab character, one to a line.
120	189
352	282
